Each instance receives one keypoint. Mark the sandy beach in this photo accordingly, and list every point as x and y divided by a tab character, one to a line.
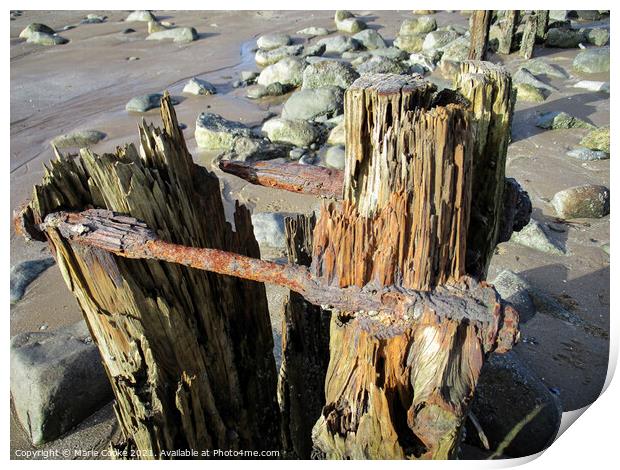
86	83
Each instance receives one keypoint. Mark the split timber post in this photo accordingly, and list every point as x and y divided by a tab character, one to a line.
305	350
400	262
542	24
508	27
189	353
398	386
480	23
530	34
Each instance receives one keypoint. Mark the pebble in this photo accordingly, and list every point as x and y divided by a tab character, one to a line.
273	41
593	85
335	157
213	132
182	34
196	86
141	104
314	31
586	154
141	15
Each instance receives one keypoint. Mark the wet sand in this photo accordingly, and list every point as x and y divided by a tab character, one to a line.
86	83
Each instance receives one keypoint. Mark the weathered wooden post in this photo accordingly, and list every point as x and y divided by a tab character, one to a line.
508	27
542	23
398	386
400	262
305	351
479	25
488	88
189	353
529	37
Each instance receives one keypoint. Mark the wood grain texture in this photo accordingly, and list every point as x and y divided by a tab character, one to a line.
479	25
399	388
529	36
188	353
305	350
488	88
507	30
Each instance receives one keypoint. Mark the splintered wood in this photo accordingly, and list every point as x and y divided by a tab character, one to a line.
188	352
479	25
488	88
305	351
407	189
388	314
401	389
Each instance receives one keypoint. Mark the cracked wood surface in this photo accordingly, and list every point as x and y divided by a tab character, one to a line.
188	352
412	155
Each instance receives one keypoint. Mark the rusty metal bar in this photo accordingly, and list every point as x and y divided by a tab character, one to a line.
325	182
306	179
128	237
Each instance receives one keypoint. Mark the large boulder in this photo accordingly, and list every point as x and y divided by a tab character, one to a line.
390	53
329	73
507	392
588	201
530	93
598	36
57	380
313	103
337	135
213	132
287	71
523	75
269	229
335	157
295	132
541	67
592	60
456	50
